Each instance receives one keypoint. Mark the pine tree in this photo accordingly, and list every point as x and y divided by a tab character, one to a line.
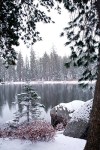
33	66
46	67
20	66
26	69
30	104
55	66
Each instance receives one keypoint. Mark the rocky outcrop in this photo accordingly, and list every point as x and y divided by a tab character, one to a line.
62	112
78	125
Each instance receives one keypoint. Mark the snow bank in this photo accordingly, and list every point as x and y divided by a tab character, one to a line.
61	142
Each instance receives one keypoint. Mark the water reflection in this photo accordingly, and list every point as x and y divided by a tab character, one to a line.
54	94
51	95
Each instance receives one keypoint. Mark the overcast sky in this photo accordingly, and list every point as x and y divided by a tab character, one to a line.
51	36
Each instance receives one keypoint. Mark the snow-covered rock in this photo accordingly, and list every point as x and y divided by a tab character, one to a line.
78	125
62	112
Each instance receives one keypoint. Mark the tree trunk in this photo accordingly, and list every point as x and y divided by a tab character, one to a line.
93	140
28	116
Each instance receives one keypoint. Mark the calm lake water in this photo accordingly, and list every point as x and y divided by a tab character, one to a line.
51	95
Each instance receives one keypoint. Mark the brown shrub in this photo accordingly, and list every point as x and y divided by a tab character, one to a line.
34	131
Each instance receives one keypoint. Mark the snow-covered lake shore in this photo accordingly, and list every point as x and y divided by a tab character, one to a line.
60	142
51	82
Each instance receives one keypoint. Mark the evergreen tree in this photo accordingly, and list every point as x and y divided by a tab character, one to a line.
30	103
33	66
20	65
26	69
46	67
10	74
64	71
55	66
40	69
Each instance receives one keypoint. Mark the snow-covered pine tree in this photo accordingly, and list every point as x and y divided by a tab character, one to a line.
30	104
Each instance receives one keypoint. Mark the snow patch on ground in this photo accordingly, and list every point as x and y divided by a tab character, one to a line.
83	112
61	142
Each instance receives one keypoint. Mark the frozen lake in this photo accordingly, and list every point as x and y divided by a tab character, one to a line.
51	95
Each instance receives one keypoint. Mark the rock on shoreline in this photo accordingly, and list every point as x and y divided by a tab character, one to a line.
63	112
78	125
74	116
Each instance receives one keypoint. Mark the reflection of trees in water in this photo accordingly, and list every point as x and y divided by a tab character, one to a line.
81	93
51	94
7	95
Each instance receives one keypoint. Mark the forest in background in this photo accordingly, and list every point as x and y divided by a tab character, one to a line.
47	68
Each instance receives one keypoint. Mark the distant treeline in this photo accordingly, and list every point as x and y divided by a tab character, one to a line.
49	67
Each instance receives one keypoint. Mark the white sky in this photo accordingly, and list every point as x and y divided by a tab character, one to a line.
50	34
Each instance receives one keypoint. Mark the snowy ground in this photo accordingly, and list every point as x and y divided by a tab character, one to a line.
61	142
